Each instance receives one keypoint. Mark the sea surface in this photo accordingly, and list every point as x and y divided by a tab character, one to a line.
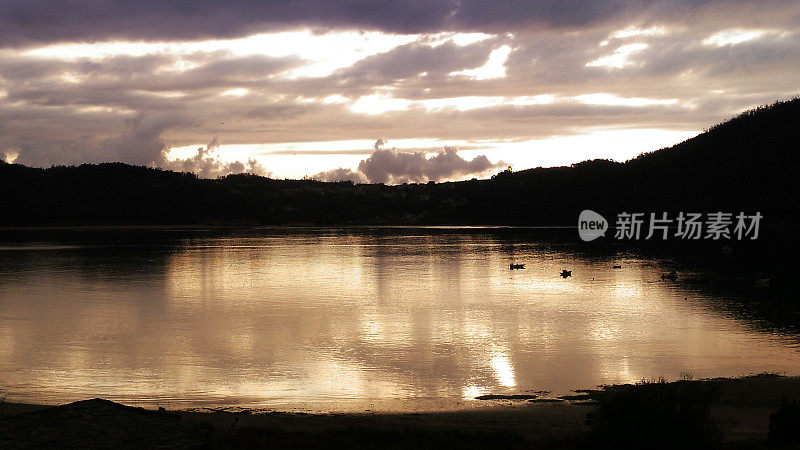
314	318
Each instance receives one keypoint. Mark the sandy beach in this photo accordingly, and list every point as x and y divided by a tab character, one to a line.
740	410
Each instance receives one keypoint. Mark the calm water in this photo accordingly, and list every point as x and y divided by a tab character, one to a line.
313	317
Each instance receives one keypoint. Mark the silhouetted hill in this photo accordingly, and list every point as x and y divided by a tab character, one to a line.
748	163
745	164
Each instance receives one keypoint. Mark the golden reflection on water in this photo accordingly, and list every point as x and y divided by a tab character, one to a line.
315	317
503	370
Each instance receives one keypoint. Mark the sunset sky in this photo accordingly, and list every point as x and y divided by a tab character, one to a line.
458	88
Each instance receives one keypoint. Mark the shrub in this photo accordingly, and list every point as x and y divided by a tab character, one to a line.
654	414
784	424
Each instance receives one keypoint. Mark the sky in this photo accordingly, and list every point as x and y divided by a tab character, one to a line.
380	91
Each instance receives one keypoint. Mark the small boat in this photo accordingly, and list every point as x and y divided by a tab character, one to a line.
566	273
672	276
513	266
618	267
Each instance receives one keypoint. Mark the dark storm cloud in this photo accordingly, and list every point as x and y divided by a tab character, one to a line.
101	136
140	141
23	22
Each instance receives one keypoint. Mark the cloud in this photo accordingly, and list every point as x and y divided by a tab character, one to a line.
418	57
116	101
140	141
392	167
493	68
619	59
341	174
23	22
206	163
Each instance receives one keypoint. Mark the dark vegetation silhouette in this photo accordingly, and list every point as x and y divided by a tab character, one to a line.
784	425
654	414
101	423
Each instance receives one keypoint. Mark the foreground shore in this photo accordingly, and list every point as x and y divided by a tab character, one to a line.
737	411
